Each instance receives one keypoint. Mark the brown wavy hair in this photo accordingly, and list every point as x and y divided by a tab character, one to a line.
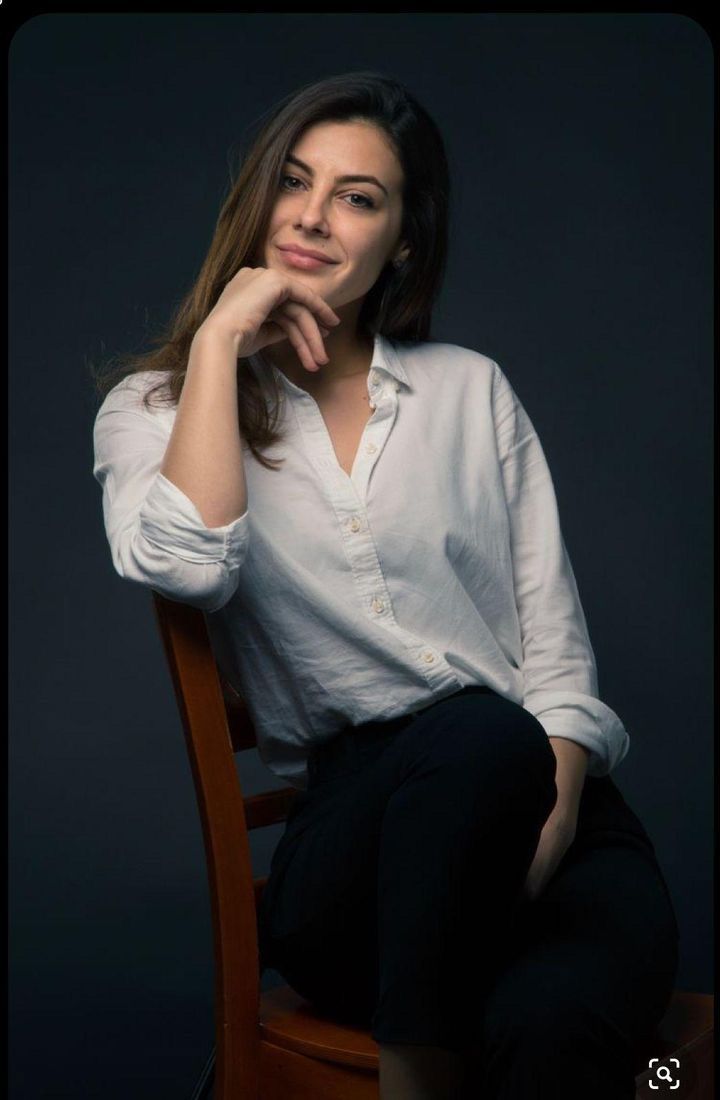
398	305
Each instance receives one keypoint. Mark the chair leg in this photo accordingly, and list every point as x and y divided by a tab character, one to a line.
204	1085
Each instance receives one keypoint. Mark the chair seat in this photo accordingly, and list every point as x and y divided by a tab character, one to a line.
287	1020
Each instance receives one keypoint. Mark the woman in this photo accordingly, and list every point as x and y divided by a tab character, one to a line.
368	518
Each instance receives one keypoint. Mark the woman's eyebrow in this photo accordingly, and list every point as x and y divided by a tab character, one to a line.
338	179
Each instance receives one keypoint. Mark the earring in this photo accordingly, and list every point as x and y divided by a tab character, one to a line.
398	263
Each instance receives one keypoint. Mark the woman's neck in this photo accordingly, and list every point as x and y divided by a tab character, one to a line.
348	355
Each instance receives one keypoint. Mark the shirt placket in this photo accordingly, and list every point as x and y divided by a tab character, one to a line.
348	496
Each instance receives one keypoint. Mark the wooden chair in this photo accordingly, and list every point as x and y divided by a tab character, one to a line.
275	1045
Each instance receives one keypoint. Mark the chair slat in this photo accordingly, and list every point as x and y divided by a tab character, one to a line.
242	733
269	807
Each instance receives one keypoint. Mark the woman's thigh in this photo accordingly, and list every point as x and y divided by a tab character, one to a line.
482	750
462	757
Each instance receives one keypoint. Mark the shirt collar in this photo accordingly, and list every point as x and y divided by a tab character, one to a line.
384	358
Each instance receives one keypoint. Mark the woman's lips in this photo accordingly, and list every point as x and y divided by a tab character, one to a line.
307	263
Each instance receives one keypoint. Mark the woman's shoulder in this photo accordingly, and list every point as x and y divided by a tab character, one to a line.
434	358
130	392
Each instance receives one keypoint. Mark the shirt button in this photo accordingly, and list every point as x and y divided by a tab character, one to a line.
374	377
378	606
397	385
354	524
373	406
428	657
371	448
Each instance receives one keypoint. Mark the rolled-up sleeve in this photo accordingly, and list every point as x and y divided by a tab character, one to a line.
156	534
559	669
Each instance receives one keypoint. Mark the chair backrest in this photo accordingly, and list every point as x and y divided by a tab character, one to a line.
217	724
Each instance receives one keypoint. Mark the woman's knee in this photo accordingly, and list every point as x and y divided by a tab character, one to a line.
492	738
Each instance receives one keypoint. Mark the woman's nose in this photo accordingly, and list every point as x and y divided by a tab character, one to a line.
313	214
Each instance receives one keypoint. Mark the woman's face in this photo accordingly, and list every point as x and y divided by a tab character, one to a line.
355	223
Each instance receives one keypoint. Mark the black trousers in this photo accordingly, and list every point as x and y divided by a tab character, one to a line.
395	901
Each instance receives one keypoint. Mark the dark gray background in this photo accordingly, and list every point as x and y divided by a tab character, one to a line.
580	147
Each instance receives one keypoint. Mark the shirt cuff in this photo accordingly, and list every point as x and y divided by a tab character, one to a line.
584	719
170	520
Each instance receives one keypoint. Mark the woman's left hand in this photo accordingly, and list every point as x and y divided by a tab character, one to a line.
556	837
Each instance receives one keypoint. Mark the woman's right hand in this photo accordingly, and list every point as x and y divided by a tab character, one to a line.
261	306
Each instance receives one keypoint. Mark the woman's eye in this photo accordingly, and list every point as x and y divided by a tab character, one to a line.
368	203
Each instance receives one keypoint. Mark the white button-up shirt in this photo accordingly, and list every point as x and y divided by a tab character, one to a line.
337	599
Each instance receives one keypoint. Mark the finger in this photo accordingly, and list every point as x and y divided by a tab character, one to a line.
306	297
310	328
298	341
272	332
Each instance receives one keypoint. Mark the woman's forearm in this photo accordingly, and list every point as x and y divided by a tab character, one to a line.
572	762
204	454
